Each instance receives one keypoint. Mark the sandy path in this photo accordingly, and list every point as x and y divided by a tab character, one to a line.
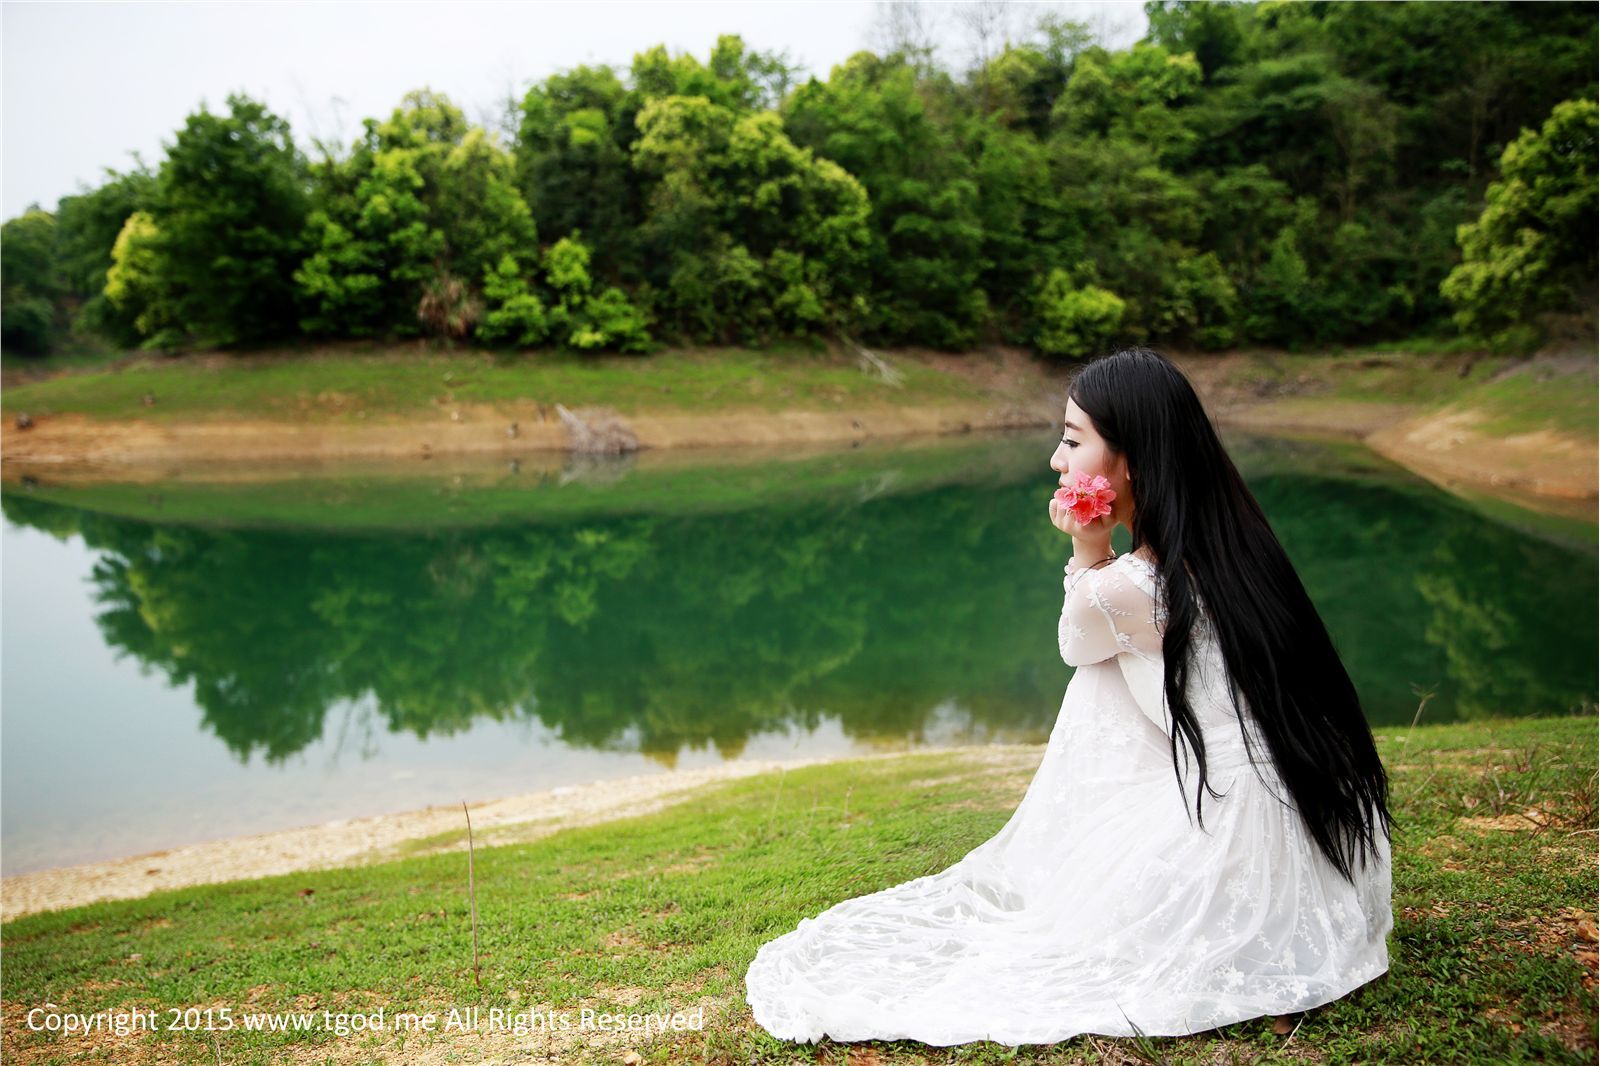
357	841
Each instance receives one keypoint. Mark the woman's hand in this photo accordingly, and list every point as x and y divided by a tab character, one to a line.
1090	541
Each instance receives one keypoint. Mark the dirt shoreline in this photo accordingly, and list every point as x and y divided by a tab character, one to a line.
65	442
378	838
1557	473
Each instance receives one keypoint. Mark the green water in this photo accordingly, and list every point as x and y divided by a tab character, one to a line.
206	655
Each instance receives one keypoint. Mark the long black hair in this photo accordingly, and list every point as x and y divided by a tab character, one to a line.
1209	534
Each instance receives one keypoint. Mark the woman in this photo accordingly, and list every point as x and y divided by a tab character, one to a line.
1110	903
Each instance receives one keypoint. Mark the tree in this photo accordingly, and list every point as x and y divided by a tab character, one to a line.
925	255
1209	30
373	248
1133	221
406	230
748	234
573	167
139	283
229	209
87	227
516	315
478	208
1532	249
1075	322
29	282
582	318
735	78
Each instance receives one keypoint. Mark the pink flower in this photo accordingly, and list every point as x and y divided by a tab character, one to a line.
1087	498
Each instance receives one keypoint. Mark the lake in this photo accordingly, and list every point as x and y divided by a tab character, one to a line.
206	653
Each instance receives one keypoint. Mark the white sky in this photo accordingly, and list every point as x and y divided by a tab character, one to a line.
84	85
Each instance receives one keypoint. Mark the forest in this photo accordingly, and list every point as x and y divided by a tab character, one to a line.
1298	174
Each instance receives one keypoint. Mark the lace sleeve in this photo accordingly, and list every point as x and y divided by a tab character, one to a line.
1111	612
1106	613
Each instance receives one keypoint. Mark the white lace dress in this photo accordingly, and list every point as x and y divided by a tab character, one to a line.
1099	907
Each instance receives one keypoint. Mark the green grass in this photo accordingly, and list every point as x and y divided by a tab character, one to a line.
351	386
1395	377
1520	401
1528	400
663	911
70	357
1422	344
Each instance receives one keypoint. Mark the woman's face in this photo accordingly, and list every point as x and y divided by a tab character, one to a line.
1083	451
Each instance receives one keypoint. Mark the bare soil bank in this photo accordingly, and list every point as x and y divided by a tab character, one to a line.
73	440
1544	469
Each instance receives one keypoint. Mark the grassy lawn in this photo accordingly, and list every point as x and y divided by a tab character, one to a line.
1492	956
348	386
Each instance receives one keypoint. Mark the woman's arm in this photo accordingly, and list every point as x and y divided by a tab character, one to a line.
1105	613
1108	614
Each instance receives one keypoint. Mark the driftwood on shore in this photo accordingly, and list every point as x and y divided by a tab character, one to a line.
873	362
598	431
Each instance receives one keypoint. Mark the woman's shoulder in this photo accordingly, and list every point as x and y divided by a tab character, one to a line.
1133	569
1145	572
1141	559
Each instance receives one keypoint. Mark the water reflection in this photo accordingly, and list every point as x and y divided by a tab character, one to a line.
666	605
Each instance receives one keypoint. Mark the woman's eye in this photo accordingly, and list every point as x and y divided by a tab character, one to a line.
1069	443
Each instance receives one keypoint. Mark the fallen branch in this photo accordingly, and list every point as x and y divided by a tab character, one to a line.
871	361
602	432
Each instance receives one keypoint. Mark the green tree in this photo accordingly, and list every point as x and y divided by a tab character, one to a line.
565	308
480	211
734	77
1133	221
87	226
1284	172
1210	30
1075	321
583	318
748	235
373	248
1532	250
573	167
30	283
229	208
407	228
140	286
515	315
925	258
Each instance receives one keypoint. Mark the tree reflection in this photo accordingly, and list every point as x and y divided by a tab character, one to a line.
670	630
